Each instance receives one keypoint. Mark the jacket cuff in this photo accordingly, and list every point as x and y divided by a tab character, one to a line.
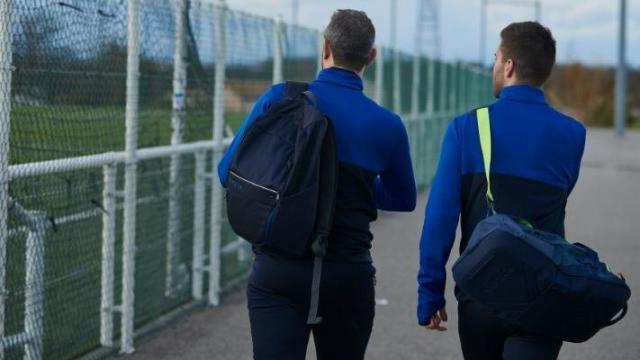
428	309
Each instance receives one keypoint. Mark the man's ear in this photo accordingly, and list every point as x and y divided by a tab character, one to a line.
372	56
326	50
509	68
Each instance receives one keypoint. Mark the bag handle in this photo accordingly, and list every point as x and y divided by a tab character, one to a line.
619	317
623	312
293	89
484	132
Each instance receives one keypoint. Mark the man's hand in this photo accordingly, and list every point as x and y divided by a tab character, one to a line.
436	319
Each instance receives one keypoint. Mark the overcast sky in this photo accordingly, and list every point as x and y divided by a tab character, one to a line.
586	30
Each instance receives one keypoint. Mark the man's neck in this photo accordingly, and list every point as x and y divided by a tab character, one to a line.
359	73
518	82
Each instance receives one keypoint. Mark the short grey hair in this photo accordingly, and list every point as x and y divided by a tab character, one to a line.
351	36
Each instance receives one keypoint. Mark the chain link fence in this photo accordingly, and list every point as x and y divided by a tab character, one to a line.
113	115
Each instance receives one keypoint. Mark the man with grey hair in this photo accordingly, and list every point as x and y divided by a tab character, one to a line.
375	172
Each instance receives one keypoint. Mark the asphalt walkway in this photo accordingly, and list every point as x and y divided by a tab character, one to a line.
603	212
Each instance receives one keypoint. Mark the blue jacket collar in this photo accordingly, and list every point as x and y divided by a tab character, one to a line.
526	93
341	77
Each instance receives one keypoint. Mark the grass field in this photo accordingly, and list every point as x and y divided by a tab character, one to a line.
52	132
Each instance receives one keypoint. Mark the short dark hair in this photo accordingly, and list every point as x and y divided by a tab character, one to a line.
351	37
532	48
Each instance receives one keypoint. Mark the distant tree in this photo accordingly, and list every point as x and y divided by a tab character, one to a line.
634	98
35	53
583	92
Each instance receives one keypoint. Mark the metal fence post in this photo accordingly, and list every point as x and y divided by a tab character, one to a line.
431	73
130	182
177	122
430	119
480	87
109	203
469	87
442	106
218	135
414	127
473	96
277	50
488	87
415	86
34	285
453	88
397	87
379	76
198	225
320	50
460	88
5	111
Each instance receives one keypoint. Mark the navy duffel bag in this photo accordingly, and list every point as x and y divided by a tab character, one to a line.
535	280
538	281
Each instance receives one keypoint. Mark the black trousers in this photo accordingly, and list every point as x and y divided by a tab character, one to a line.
278	299
486	337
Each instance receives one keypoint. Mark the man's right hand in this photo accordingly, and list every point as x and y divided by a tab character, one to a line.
436	319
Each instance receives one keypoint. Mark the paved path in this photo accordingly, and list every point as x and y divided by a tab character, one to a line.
603	212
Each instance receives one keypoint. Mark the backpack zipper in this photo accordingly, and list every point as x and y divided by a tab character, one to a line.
256	185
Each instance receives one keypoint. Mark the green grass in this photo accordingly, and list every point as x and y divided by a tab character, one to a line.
51	132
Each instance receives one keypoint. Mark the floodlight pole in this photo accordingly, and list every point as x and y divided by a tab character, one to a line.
483	30
621	74
295	11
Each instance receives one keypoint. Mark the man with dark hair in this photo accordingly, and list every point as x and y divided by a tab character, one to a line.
375	172
532	47
534	166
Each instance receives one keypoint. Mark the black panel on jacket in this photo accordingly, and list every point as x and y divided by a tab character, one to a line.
541	204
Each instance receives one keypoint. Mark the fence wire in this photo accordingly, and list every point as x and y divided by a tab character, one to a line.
63	99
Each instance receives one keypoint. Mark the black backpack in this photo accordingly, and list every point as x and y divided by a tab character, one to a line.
282	182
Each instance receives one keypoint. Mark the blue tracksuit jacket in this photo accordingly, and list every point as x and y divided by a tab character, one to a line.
536	160
375	170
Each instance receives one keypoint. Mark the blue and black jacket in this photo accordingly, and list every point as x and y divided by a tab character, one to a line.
536	160
375	170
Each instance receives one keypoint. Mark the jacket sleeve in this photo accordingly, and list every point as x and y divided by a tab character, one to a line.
272	95
439	229
580	152
396	186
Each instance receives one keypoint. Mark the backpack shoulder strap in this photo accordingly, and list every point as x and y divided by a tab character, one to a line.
293	89
324	222
327	190
484	131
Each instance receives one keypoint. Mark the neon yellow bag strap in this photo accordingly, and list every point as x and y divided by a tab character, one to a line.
484	130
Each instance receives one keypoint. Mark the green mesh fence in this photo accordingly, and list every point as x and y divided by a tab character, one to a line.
63	86
301	52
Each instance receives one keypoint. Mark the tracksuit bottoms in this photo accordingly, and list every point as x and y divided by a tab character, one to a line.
486	337
278	297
